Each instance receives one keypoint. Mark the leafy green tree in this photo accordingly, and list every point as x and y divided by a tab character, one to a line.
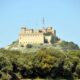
78	71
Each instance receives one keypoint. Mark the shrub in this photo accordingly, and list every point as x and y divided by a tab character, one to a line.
29	46
54	39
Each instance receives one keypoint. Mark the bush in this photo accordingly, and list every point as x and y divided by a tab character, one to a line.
48	34
29	46
54	39
22	45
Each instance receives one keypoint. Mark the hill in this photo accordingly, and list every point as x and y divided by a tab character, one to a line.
46	63
61	45
57	61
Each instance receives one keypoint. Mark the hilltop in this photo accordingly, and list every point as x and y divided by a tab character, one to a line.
31	40
63	46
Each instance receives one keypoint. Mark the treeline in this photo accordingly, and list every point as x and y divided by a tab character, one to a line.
44	64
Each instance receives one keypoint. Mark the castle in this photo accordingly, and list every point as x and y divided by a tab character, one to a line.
31	36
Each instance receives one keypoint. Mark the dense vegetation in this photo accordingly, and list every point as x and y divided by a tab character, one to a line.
48	34
46	63
69	45
54	39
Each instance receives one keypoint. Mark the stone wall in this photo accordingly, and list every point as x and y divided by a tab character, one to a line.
30	36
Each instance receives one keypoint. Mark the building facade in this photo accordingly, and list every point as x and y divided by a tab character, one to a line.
30	36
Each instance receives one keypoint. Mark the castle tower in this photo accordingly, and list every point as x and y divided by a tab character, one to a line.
23	30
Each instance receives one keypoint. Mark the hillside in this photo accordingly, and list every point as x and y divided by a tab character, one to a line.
46	63
59	60
62	45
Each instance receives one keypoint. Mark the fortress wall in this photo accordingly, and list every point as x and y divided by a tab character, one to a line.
36	38
30	36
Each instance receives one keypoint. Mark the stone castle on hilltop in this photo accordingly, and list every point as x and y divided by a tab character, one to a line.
31	36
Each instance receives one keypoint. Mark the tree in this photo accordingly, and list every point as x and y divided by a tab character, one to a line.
69	45
54	39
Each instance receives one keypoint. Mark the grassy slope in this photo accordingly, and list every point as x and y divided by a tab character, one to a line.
64	45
